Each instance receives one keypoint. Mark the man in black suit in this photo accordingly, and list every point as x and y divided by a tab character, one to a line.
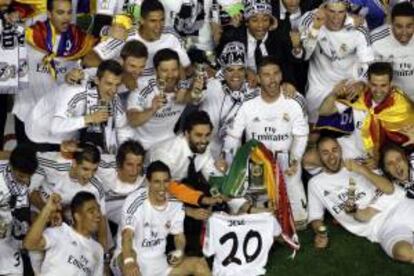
261	39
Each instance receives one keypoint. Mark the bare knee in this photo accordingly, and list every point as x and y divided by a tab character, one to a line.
403	251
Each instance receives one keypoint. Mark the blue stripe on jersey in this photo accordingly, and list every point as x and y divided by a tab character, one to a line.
136	203
98	185
77	98
380	35
149	88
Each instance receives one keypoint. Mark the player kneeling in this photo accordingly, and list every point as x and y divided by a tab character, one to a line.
149	217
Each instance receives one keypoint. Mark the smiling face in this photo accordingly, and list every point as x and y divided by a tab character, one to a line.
108	85
157	189
396	164
83	171
234	76
132	167
199	137
61	15
330	154
258	25
89	216
169	71
403	28
151	26
380	86
134	66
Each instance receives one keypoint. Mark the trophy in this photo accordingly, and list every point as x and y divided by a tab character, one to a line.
256	176
161	89
350	204
200	72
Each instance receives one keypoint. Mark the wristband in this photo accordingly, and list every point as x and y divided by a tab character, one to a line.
129	260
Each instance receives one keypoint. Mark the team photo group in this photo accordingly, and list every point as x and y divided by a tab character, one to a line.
202	137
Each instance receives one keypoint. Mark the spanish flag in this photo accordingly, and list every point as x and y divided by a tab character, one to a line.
384	120
73	45
235	184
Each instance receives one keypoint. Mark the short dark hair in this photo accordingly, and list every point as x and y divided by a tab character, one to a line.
148	6
165	55
134	48
78	200
384	150
110	65
50	4
87	152
323	139
129	146
380	68
198	117
157	166
23	159
268	60
402	9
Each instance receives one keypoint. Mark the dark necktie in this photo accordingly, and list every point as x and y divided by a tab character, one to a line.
287	21
258	53
191	171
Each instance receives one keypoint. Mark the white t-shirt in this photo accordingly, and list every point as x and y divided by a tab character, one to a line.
69	253
111	48
240	244
161	125
274	124
40	81
116	191
387	48
222	109
151	227
330	192
175	154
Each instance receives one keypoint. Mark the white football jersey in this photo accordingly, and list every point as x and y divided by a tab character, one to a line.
240	244
69	253
274	124
40	80
111	48
333	56
116	191
52	176
387	48
161	125
330	192
152	225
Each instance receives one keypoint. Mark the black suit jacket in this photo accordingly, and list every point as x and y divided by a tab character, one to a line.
276	44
